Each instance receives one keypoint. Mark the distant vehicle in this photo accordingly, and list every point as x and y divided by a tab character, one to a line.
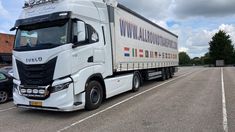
6	69
6	86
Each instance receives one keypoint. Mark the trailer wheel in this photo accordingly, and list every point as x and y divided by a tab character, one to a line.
94	95
136	82
171	72
163	78
167	73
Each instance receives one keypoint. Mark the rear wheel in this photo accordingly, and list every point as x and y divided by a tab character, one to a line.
171	72
3	96
136	82
167	73
94	95
163	78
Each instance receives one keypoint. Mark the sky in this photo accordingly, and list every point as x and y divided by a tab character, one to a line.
194	21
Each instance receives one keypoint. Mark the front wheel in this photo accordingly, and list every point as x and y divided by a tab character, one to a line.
3	96
94	95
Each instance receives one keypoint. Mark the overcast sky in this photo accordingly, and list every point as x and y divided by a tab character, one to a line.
194	21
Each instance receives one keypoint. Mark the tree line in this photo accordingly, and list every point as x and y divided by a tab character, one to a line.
220	48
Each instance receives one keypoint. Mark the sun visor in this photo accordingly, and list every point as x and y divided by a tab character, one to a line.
40	19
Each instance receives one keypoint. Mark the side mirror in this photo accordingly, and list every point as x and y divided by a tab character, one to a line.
81	31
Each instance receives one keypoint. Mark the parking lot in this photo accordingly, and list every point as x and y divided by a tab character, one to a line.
192	101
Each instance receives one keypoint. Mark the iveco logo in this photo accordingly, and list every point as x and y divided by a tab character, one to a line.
30	60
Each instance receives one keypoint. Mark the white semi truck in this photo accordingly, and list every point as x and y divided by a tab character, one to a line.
73	54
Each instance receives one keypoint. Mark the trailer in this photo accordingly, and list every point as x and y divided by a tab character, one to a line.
70	55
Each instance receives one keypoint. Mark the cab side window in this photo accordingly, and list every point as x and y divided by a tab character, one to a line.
84	33
92	34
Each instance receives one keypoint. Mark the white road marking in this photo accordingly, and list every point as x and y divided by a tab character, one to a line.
134	96
3	110
225	120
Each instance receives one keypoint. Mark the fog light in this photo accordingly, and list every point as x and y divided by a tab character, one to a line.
29	91
35	91
23	91
42	91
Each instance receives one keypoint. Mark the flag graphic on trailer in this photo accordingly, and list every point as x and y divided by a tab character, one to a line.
126	52
134	52
141	53
146	53
151	54
156	55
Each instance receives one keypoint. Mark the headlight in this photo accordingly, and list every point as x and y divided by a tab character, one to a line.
60	87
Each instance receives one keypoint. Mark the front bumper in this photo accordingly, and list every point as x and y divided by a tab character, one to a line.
60	101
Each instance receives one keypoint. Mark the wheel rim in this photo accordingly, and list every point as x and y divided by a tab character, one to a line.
136	82
95	95
3	96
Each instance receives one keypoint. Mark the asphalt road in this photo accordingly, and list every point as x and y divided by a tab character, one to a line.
190	102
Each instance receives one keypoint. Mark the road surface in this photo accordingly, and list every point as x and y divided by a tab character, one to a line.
197	99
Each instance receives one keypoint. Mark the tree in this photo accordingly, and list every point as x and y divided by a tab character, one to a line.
184	58
221	48
196	61
206	59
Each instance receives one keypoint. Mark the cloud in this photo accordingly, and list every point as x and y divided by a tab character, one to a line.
3	12
5	27
229	29
183	49
9	12
205	8
196	41
155	9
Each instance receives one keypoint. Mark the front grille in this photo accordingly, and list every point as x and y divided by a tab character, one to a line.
40	75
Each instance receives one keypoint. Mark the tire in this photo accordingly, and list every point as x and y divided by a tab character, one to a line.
4	96
136	83
167	73
163	78
94	95
171	73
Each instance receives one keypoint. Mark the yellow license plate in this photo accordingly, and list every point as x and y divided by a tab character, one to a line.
38	104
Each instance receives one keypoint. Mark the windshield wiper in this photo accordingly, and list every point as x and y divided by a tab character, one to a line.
37	46
25	46
47	44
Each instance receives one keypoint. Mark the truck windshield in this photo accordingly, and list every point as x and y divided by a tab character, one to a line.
42	36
